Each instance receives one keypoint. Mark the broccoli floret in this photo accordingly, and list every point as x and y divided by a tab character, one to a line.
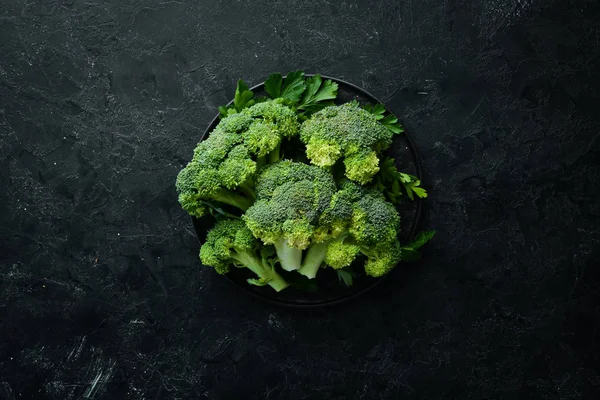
224	165
346	132
381	259
341	253
220	172
230	243
291	198
271	123
358	221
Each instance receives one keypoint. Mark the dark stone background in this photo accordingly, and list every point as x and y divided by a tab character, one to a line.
101	292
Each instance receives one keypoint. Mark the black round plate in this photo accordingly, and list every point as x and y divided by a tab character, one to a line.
329	290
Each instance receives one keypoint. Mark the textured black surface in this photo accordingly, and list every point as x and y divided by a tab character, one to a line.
101	295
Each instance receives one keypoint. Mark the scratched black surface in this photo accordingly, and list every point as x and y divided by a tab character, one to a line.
101	293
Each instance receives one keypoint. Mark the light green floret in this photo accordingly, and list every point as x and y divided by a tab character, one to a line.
341	254
382	259
291	197
360	221
333	227
230	243
271	124
347	133
224	167
221	172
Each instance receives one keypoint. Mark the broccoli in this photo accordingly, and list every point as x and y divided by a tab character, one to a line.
220	173
230	243
271	123
291	197
224	165
326	207
361	221
346	132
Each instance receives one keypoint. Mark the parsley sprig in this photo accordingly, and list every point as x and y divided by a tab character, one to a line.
390	121
306	95
395	184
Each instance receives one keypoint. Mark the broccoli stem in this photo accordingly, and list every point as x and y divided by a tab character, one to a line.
275	155
289	257
261	161
313	259
248	190
234	199
265	272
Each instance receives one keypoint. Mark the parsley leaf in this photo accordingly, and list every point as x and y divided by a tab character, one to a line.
243	99
243	96
411	185
422	238
345	277
318	94
273	85
377	110
391	182
290	88
293	86
223	111
389	121
410	251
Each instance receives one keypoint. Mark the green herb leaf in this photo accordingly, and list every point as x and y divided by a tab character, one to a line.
420	192
318	94
410	251
377	110
389	121
273	85
223	111
243	96
389	181
411	185
293	86
260	99
422	238
346	277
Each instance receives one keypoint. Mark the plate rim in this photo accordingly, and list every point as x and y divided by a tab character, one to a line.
411	234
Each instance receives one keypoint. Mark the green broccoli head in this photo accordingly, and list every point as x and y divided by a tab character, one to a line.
238	168
374	229
346	132
262	138
230	243
186	185
341	254
224	165
221	171
291	198
382	259
270	123
337	217
283	119
374	220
